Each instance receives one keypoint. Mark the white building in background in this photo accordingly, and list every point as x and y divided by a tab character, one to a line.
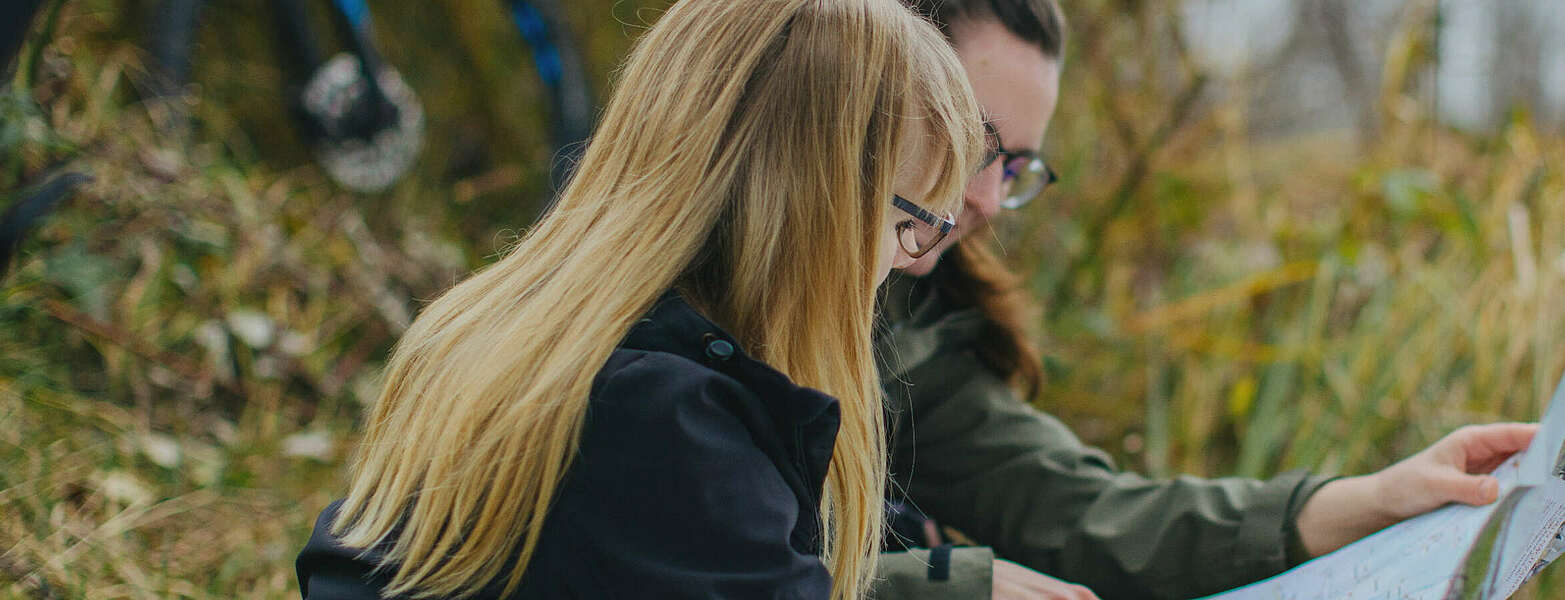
1492	55
1469	52
1233	36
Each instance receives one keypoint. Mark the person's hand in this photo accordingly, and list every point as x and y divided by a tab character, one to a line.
1454	469
1016	582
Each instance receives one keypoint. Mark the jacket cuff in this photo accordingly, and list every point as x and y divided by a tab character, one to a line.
944	572
1297	554
1269	532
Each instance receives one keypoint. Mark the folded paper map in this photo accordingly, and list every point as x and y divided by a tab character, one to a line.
1484	552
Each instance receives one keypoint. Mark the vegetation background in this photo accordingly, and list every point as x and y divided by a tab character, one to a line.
187	345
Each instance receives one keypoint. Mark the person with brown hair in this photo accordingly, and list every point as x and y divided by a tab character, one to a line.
968	450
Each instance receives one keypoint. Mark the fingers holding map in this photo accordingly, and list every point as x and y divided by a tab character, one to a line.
1458	551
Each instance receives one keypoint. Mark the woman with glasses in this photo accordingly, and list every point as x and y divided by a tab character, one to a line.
667	389
970	451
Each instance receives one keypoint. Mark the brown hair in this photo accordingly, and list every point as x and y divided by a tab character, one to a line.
970	274
1034	21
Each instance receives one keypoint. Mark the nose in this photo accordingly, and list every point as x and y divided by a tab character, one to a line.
983	195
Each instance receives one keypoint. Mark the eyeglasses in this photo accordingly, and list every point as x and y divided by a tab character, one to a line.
920	236
1023	170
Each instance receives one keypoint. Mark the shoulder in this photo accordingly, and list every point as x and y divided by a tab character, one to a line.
682	483
659	413
665	371
647	387
672	425
328	569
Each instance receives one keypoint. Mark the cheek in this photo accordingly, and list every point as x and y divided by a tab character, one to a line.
981	200
888	249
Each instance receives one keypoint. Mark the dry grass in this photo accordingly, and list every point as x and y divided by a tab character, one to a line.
186	343
1263	303
184	347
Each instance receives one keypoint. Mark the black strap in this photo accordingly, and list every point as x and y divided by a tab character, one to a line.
940	563
26	213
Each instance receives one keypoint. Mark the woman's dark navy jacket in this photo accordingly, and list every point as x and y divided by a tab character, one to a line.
699	476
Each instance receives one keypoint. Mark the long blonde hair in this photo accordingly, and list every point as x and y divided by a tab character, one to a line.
746	159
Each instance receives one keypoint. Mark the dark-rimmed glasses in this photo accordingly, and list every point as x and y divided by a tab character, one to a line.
922	234
1023	170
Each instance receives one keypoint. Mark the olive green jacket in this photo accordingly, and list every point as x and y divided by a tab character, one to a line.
973	455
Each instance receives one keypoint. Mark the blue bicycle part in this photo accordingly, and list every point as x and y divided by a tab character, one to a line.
560	68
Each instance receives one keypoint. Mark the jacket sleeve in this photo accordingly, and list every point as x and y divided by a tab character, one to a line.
944	572
676	500
329	571
977	458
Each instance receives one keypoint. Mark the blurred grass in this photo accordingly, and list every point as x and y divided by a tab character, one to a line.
185	346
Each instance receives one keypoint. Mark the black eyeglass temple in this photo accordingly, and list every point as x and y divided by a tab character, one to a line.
916	210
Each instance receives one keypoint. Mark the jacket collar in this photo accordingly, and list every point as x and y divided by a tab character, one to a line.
917	321
675	327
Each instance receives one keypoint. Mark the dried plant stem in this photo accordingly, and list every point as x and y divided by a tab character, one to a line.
1129	183
135	345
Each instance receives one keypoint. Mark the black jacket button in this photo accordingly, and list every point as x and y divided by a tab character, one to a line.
719	350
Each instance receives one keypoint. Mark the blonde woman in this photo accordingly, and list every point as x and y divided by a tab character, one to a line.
667	388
